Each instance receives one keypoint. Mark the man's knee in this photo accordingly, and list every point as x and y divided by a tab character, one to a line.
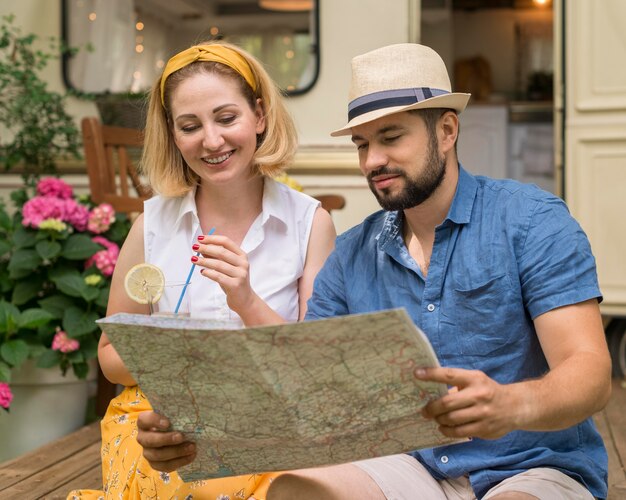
294	485
341	482
513	495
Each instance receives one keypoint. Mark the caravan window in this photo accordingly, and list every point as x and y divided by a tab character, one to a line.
130	41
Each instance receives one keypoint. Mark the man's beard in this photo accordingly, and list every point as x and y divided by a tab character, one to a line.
417	189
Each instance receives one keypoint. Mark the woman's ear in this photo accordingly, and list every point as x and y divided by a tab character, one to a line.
448	130
259	112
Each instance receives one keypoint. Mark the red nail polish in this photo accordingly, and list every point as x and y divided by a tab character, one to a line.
195	247
194	259
200	238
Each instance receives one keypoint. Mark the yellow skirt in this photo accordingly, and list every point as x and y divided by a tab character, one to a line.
127	475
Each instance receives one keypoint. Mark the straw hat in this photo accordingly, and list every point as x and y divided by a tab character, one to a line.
398	78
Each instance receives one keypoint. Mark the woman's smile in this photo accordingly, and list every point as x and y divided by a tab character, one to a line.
216	160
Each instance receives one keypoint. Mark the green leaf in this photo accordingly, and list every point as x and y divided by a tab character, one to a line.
5	220
14	352
80	369
25	291
76	356
56	305
79	247
48	249
103	299
118	230
88	346
24	260
24	238
9	317
19	274
5	372
49	359
68	281
77	322
90	293
4	247
31	319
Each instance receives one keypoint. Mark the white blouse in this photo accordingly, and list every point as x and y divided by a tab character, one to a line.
276	245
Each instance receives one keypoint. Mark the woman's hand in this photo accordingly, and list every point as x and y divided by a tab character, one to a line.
227	264
164	450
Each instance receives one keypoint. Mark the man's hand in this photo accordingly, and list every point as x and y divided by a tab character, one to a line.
479	407
166	451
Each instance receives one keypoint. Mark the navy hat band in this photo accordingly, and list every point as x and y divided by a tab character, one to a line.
391	98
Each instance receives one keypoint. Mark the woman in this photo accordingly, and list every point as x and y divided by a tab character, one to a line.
216	131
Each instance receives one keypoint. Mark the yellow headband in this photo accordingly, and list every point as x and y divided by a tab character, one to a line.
215	53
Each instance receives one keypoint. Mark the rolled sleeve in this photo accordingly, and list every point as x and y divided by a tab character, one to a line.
557	266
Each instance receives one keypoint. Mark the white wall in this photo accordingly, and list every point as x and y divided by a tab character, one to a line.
347	28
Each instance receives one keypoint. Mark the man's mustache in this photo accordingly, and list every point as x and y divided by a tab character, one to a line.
384	171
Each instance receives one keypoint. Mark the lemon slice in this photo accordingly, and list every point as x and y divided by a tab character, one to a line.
144	283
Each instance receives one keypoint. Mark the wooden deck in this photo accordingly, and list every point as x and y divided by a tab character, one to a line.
73	461
611	423
55	469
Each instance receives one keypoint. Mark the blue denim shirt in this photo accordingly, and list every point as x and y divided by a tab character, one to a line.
506	253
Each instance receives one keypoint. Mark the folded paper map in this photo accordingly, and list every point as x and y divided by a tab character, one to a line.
283	397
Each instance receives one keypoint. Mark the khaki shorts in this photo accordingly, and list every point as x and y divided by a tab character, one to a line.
401	477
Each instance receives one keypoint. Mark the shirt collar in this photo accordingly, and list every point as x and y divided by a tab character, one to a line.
187	206
460	211
271	205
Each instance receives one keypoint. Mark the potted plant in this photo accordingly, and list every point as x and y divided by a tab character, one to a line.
57	254
35	129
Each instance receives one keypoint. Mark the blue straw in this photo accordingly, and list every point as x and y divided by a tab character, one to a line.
193	266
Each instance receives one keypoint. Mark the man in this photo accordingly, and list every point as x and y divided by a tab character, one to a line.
502	281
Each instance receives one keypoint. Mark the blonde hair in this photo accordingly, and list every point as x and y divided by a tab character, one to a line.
161	160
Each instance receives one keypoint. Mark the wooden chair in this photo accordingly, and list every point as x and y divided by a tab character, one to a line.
331	202
113	179
112	174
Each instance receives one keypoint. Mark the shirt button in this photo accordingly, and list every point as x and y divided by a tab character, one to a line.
444	459
430	307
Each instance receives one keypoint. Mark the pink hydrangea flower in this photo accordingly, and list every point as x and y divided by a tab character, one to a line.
104	260
51	186
41	208
76	214
6	396
101	218
61	342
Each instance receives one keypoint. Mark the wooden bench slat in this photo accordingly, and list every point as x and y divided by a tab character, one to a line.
52	478
89	480
16	470
615	469
616	414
